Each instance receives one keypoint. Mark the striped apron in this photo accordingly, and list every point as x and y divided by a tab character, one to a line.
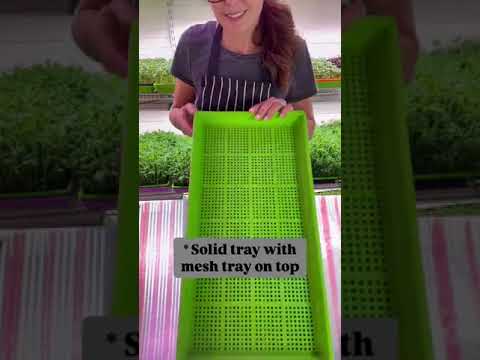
220	93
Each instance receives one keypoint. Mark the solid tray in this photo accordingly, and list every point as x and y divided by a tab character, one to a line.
382	274
252	179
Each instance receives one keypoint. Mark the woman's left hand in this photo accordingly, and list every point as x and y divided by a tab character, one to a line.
266	110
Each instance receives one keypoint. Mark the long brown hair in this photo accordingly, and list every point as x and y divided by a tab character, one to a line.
279	40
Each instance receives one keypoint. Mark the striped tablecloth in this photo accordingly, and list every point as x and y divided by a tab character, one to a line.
160	223
451	252
451	257
51	279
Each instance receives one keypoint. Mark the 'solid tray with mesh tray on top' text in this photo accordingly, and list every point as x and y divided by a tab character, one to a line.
252	180
382	274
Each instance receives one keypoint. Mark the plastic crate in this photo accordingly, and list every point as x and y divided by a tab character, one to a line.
382	274
252	179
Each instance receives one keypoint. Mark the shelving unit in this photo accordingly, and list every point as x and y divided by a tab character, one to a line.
164	102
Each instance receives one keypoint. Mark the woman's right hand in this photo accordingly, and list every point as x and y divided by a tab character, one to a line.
101	28
182	118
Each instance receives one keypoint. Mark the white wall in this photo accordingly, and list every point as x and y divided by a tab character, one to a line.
445	20
318	21
28	39
153	32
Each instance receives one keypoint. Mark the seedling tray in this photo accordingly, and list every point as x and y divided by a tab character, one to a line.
146	89
84	196
382	274
165	89
328	83
67	191
252	179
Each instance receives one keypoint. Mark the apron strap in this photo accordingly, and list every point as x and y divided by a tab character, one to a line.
215	52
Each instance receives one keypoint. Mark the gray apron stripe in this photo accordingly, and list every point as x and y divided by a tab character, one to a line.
229	90
253	93
220	95
261	93
236	97
244	94
211	95
203	94
269	87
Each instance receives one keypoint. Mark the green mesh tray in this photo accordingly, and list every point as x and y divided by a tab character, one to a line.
252	179
382	273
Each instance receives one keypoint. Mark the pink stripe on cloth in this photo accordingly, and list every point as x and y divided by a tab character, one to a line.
79	281
332	270
143	281
448	318
44	305
47	295
160	291
12	301
170	332
473	265
338	211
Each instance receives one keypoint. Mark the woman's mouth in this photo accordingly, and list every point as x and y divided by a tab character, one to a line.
236	15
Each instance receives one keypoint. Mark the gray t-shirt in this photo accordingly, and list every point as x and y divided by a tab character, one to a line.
191	58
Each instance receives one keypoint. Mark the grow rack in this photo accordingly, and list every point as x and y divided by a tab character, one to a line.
382	274
249	180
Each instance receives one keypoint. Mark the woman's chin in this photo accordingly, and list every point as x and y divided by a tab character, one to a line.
236	27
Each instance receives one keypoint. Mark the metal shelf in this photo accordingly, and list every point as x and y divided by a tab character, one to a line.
164	102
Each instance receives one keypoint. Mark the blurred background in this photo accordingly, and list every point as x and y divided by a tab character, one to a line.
60	126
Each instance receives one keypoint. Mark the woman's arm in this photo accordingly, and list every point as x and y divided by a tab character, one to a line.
183	110
307	107
183	94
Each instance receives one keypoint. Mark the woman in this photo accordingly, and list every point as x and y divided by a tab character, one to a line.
250	59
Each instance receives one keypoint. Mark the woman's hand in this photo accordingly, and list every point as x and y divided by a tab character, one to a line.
182	118
101	28
402	12
267	109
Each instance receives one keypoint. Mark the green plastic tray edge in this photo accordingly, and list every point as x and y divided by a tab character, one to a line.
374	35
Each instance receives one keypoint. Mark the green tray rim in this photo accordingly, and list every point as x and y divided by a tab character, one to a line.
245	119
